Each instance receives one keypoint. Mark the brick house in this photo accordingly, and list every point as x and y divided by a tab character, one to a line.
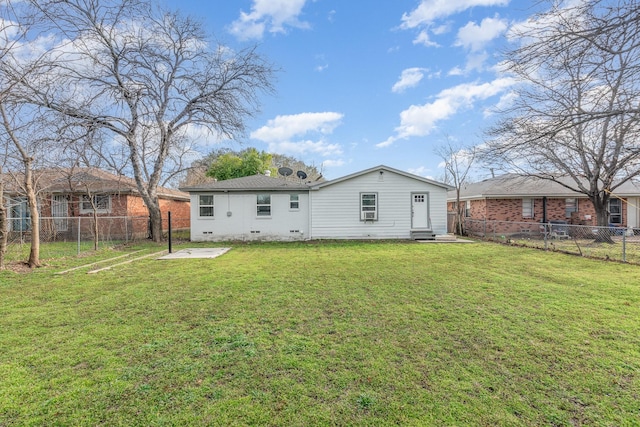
65	195
514	198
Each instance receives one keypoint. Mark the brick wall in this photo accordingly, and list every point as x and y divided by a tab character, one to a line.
511	210
122	205
180	214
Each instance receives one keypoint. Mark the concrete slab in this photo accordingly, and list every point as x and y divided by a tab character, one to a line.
196	253
438	239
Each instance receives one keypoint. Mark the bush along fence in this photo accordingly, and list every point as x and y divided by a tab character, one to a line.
81	234
616	243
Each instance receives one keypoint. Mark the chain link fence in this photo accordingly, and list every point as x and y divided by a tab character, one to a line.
60	236
615	243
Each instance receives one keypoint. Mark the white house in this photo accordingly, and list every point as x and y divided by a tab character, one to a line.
377	203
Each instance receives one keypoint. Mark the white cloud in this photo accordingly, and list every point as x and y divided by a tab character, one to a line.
290	134
420	171
202	136
476	61
441	29
408	79
475	37
423	38
320	147
420	120
323	64
455	71
268	15
431	10
286	127
505	102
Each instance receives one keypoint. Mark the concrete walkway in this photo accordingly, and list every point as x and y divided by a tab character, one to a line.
196	253
446	238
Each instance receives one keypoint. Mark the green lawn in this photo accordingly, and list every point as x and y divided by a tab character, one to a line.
345	333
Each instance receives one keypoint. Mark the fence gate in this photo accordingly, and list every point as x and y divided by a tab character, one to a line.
59	212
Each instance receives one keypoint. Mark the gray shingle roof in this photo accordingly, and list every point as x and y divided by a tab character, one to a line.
82	180
251	183
512	185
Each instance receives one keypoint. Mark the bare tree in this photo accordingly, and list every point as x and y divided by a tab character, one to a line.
146	76
457	161
3	222
20	124
575	113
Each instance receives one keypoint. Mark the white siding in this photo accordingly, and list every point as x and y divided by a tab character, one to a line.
336	208
235	218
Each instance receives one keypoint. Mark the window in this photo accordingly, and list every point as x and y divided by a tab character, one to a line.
615	211
263	205
19	215
527	208
369	206
571	205
101	202
205	205
467	209
294	201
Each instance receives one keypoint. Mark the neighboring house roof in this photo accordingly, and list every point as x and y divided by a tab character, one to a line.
382	168
517	186
251	183
88	180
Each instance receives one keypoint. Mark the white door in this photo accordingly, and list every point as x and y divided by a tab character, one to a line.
59	212
420	210
633	211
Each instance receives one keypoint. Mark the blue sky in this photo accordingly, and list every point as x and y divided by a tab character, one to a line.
364	83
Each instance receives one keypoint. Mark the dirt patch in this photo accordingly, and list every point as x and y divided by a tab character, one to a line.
18	267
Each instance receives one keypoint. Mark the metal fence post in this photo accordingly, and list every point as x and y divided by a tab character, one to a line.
624	246
169	231
546	235
79	218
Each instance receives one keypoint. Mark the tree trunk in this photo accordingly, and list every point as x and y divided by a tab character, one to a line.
155	221
602	213
32	201
3	224
600	205
459	225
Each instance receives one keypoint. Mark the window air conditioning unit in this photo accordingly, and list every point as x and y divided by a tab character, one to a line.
369	216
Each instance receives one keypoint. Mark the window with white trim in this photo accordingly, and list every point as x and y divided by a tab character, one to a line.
205	205
294	201
615	211
263	205
527	208
368	206
467	209
100	202
571	205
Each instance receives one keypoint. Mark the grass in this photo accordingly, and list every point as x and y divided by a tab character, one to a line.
628	251
347	333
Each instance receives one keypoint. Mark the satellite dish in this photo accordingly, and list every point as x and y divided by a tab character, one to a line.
301	175
284	171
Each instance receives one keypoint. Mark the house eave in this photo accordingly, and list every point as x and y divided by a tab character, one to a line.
381	168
